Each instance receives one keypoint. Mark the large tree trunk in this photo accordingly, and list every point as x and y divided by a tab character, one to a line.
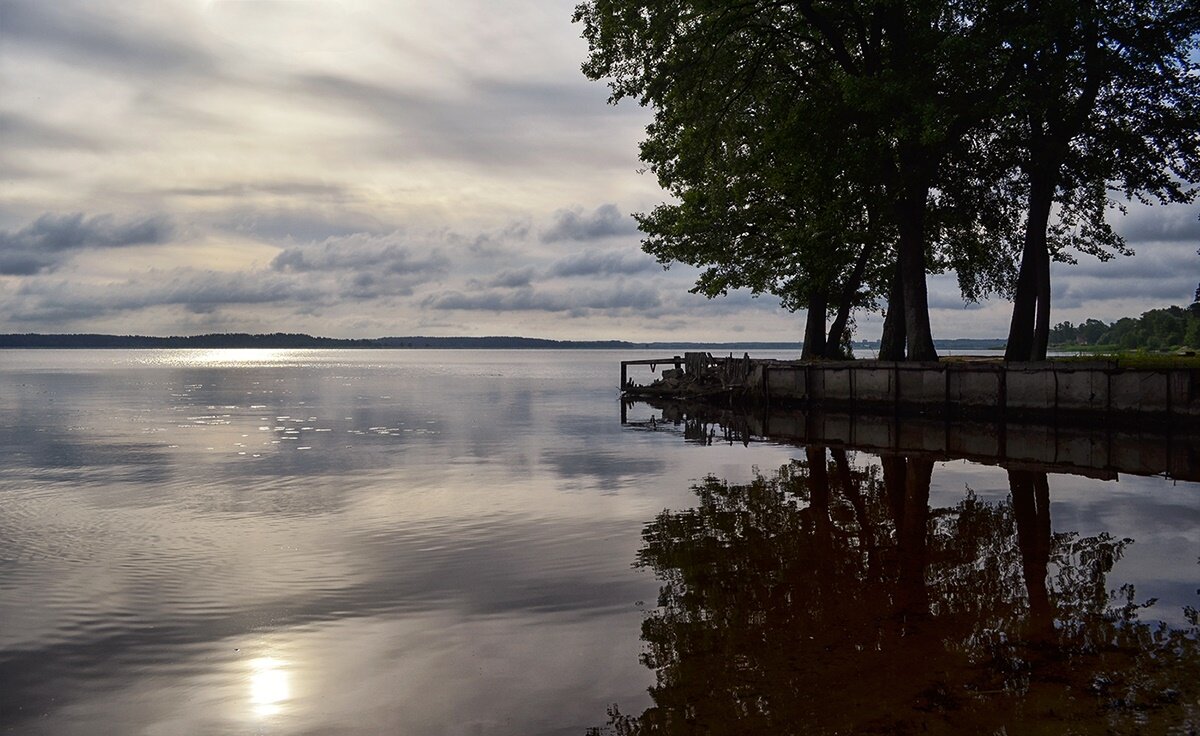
1020	327
891	345
1029	329
818	507
911	208
1041	325
895	468
913	597
814	327
1031	511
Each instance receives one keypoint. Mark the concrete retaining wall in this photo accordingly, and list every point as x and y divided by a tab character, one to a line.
983	389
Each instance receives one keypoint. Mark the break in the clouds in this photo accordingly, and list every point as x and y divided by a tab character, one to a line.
361	167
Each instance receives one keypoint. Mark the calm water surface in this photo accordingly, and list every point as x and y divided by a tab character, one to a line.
469	542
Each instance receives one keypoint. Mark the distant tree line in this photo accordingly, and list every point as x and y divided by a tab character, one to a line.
220	340
836	152
1158	329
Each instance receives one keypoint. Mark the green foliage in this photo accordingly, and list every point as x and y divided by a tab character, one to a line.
783	133
1157	329
794	137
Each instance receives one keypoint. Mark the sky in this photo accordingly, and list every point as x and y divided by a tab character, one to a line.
361	168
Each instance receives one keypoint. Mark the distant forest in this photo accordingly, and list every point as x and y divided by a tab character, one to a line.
1158	329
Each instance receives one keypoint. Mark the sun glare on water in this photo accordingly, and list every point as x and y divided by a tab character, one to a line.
226	357
269	686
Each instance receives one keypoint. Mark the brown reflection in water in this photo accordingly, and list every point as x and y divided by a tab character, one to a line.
829	597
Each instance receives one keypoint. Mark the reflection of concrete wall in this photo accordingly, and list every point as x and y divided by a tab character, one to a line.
1095	450
984	389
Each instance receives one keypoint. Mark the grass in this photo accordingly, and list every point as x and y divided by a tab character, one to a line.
1141	359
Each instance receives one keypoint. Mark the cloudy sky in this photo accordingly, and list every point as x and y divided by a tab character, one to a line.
364	168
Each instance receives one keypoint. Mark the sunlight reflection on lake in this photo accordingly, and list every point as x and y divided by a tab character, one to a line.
269	686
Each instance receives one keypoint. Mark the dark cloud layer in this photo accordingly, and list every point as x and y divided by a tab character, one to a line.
49	241
75	31
1163	224
20	132
198	291
532	300
359	253
512	279
612	263
604	222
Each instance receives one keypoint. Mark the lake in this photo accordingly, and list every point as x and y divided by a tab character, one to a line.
471	542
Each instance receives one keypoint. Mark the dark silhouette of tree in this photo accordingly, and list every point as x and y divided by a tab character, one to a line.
1108	98
835	153
830	598
805	142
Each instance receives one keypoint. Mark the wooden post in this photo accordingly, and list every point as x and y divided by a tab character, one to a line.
624	378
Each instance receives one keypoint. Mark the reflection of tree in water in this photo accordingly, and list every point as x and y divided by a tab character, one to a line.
829	598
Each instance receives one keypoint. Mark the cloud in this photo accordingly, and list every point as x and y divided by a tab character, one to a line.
483	121
47	243
361	252
532	300
612	263
308	223
604	222
366	266
1162	224
512	279
66	29
22	132
1161	273
1154	261
198	291
289	189
951	301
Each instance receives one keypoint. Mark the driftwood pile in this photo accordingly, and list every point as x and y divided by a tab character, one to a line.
700	375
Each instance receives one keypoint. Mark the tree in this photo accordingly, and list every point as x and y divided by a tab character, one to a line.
779	126
1108	99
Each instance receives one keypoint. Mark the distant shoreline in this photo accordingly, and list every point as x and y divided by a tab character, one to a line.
282	340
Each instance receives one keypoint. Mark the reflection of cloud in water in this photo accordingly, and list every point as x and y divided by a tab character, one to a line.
606	468
505	568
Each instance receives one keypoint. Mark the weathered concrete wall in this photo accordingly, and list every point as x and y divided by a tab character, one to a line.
985	389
